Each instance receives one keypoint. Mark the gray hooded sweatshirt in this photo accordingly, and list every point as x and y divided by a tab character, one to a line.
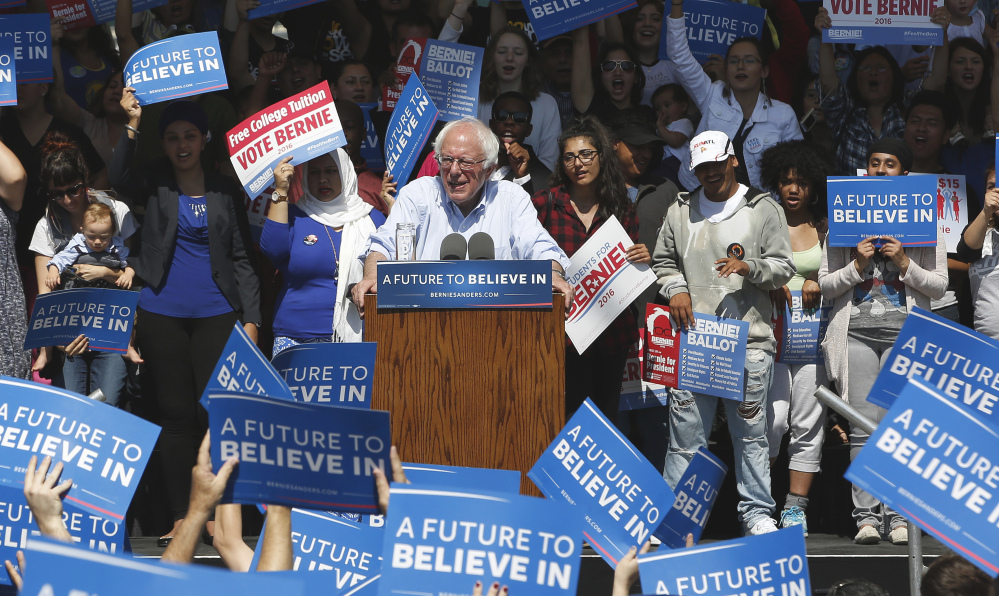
688	246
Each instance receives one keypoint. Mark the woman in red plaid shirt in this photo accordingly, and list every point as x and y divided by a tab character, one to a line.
587	189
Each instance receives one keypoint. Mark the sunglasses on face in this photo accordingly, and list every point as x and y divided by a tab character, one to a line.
72	191
624	65
504	115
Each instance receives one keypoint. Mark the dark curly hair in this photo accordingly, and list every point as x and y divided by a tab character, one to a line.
975	117
898	80
531	78
807	161
612	192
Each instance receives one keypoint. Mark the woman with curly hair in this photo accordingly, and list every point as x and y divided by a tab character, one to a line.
512	63
587	189
795	172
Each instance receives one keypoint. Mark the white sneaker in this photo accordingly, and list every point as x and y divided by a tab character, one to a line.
764	526
868	535
899	536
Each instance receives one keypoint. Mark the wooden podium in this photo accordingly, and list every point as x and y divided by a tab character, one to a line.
479	388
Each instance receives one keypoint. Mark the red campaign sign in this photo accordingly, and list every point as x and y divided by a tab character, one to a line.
405	65
661	351
74	14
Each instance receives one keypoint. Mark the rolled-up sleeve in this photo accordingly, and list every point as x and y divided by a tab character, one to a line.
530	239
405	210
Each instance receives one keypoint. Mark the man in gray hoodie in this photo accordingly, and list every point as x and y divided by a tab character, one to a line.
722	248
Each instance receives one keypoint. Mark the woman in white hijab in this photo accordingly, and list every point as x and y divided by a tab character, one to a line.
315	243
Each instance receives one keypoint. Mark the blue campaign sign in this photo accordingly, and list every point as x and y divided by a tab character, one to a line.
349	553
371	147
933	462
242	368
176	67
104	316
275	6
450	74
409	128
60	568
958	362
712	26
337	374
8	72
445	540
903	207
103	449
553	17
773	563
617	498
12	3
799	332
709	358
32	45
695	497
17	524
506	481
302	455
464	284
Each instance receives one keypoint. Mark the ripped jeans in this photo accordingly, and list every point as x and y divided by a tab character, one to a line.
690	418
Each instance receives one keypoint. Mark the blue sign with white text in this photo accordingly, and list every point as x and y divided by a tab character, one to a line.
464	284
799	332
507	481
60	568
450	74
933	462
17	524
878	34
695	496
409	128
904	207
712	26
275	6
103	449
104	316
296	454
958	362
445	540
349	553
242	368
618	498
553	17
8	72
371	147
773	563
338	374
177	67
32	45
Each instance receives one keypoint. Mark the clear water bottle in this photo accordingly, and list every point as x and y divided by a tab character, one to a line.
405	241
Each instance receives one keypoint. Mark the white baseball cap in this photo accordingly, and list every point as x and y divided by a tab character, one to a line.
710	146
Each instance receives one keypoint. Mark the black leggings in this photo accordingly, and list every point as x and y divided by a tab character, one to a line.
180	355
597	375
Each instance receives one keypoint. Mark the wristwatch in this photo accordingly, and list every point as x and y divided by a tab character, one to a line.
277	197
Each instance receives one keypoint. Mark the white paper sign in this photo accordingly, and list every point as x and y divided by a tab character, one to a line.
604	281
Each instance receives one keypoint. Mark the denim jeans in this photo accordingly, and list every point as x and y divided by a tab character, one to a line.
691	416
107	372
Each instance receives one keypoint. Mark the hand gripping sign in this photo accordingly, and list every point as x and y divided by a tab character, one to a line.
712	26
176	67
883	22
904	207
552	17
105	316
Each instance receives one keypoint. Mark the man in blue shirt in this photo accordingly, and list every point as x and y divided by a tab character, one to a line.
462	199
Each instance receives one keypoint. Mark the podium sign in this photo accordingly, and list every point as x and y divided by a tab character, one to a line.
464	284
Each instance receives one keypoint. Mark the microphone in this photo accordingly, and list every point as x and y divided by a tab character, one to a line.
453	247
481	247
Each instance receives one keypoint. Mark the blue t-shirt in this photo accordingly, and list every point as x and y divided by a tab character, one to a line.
302	250
188	290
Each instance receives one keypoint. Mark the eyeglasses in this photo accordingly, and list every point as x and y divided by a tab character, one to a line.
504	115
464	164
624	65
585	157
72	191
748	61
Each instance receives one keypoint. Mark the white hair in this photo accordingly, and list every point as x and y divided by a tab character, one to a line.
487	140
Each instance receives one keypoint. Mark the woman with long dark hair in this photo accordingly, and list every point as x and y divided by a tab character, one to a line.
199	280
513	63
968	84
615	82
587	189
737	106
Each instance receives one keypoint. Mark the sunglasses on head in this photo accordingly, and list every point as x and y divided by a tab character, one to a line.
72	191
624	65
504	115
